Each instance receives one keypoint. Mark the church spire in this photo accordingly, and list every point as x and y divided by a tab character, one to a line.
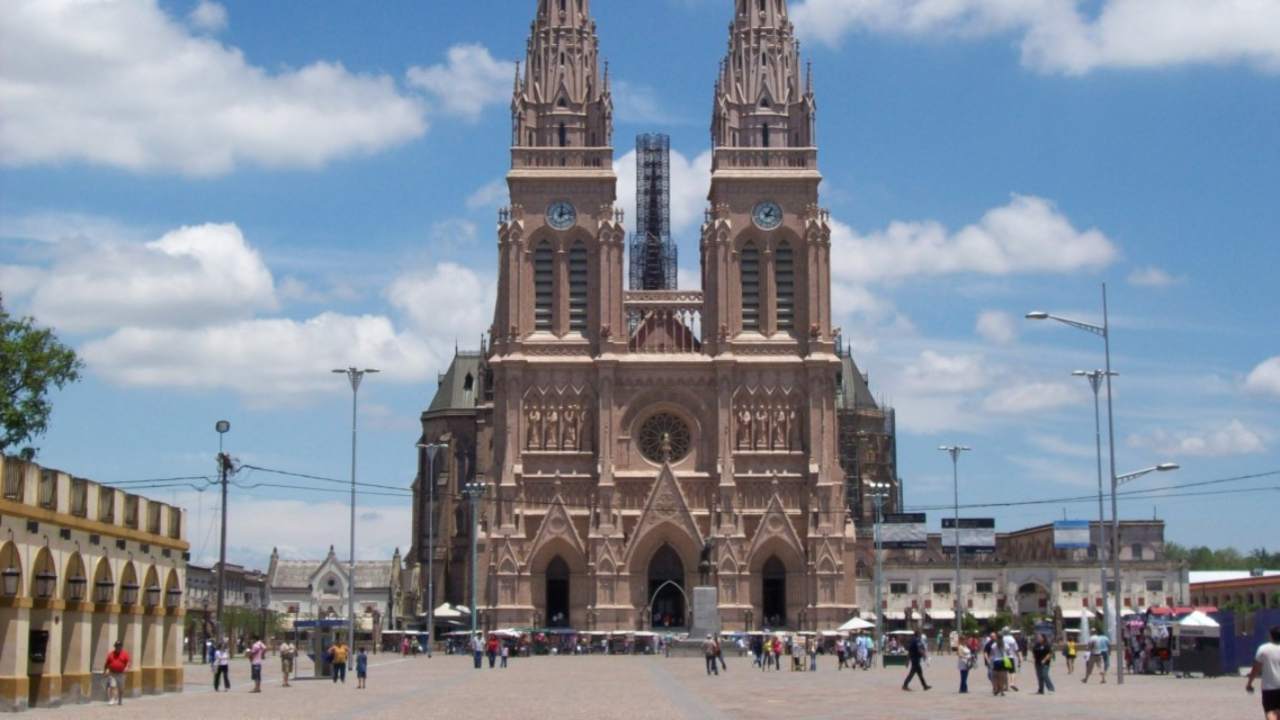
760	101
561	100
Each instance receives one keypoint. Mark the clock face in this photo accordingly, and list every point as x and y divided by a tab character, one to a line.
561	215
767	215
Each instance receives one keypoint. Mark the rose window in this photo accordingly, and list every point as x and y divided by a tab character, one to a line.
664	438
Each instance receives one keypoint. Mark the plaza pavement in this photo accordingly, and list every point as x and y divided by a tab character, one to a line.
603	687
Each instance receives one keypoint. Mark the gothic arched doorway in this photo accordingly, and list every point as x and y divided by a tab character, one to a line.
774	596
666	579
557	593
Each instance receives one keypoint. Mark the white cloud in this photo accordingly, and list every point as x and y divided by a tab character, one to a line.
997	326
192	275
1072	37
639	104
449	303
490	195
266	361
124	85
1031	397
469	81
18	281
690	181
208	16
1060	446
1028	235
1152	277
1265	378
934	372
1234	438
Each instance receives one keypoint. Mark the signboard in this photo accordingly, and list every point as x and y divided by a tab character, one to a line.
977	535
904	531
1071	535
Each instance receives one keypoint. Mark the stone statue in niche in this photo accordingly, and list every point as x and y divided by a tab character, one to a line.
552	441
793	429
533	428
744	428
584	429
762	429
779	429
570	428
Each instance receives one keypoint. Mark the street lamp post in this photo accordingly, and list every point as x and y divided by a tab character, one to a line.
474	491
1095	383
222	426
354	376
954	451
432	449
878	492
1116	482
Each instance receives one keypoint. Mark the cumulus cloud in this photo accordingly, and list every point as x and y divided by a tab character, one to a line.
469	81
192	275
1071	37
997	326
1234	438
1265	378
690	181
935	372
467	295
1151	277
124	85
208	16
490	195
1031	397
1028	235
639	104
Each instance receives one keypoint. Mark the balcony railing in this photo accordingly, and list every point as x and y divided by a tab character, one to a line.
727	158
13	475
79	497
48	489
664	321
561	157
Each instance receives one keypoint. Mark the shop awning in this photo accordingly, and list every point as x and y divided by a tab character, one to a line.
895	615
1080	614
983	614
941	614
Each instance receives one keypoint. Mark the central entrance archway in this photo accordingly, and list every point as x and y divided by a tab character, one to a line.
774	585
666	578
557	593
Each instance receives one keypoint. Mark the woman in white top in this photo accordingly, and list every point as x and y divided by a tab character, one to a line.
964	663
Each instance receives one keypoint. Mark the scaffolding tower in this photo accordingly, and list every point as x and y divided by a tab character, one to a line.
653	253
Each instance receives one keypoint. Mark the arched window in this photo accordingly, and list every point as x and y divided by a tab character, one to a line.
784	280
564	136
764	136
543	286
750	269
578	288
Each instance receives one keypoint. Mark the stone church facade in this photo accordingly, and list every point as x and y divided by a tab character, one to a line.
636	444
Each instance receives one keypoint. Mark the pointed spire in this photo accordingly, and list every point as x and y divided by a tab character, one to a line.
515	89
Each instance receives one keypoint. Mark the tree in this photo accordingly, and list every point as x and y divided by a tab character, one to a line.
32	361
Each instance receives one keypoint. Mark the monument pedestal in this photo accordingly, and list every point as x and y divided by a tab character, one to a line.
705	615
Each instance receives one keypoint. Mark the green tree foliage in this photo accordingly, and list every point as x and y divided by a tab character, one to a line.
1204	558
32	361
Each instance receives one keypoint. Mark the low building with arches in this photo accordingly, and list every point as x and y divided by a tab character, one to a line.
83	566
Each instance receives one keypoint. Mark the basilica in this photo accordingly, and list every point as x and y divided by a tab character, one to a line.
634	443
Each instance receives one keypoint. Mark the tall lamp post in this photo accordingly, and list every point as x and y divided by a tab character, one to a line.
432	449
1095	382
355	376
954	451
224	463
878	492
474	491
1116	482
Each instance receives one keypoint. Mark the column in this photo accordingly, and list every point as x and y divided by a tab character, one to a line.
45	677
129	633
14	619
150	659
103	631
77	637
171	659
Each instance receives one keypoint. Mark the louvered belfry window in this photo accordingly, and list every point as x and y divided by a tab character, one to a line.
578	288
543	286
750	269
784	280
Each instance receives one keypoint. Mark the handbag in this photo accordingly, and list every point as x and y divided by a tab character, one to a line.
1007	664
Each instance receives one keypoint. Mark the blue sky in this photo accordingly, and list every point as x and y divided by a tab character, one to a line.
217	203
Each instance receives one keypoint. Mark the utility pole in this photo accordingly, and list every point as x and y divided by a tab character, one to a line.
224	464
878	491
355	376
474	491
954	451
432	449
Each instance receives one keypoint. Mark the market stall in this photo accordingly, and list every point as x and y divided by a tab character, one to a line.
1197	646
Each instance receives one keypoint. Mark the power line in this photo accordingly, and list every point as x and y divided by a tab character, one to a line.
321	478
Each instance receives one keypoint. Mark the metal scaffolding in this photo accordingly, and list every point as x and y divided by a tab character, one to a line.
653	253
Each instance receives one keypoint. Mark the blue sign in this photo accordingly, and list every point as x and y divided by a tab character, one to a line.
1071	535
321	624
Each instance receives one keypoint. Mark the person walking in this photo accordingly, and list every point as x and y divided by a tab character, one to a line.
503	652
1042	655
709	654
720	654
287	655
1104	649
491	650
114	667
362	669
811	645
1011	655
997	664
257	651
964	663
840	654
1094	661
222	667
916	653
1069	653
1266	664
338	654
477	649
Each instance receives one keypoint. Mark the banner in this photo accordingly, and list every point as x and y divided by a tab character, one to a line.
977	535
1071	535
904	531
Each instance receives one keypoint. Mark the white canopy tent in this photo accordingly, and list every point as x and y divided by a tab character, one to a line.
856	623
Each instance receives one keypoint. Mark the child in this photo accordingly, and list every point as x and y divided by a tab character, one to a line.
504	651
362	669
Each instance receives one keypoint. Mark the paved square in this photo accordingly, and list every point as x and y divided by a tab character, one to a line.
600	687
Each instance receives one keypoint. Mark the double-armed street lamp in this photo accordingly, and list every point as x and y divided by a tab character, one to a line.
474	491
354	376
432	449
954	451
878	492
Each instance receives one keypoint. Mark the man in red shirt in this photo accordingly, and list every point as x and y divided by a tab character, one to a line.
115	667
